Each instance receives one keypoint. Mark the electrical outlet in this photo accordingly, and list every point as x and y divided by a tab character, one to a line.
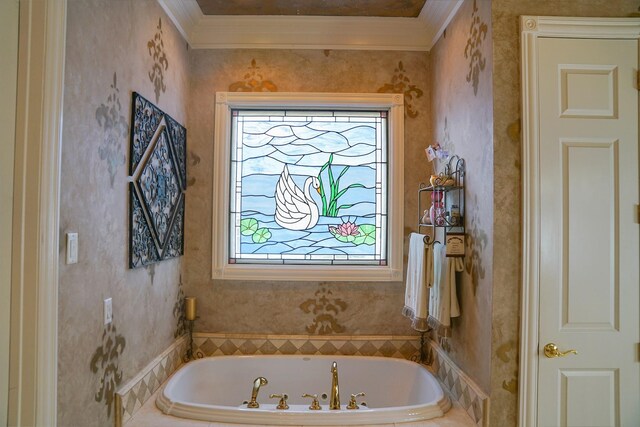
108	311
72	248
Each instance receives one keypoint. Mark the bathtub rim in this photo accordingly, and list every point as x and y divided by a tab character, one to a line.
229	414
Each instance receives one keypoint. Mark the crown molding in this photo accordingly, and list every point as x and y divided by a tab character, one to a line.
310	32
436	16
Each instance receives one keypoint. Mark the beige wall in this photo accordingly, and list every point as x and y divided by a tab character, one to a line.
507	198
458	115
8	80
277	307
495	275
461	78
108	57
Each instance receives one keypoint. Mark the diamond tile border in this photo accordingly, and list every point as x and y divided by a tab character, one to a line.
457	384
134	394
212	344
460	387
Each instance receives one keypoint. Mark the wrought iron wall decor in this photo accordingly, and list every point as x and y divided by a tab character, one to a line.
158	181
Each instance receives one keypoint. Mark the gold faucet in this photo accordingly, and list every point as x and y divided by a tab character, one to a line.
334	402
260	381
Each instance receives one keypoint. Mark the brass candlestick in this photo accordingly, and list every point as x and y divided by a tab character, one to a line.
190	316
190	308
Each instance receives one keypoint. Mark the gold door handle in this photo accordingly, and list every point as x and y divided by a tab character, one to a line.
551	350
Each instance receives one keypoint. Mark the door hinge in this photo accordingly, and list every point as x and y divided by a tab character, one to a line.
638	80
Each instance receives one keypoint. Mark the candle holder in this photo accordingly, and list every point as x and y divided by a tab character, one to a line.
190	317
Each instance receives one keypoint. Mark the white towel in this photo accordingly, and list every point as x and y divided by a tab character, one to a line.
419	278
443	299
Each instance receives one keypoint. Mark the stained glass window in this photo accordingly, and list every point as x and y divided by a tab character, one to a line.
308	187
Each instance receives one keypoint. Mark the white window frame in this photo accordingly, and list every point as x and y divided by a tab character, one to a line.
225	103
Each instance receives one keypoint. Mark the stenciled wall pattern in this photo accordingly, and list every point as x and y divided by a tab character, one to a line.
160	62
102	69
253	81
401	83
462	124
507	198
105	362
473	50
316	307
478	120
115	126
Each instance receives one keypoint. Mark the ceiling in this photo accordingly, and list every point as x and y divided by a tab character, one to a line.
406	25
381	8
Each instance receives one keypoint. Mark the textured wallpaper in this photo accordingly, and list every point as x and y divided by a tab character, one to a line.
507	197
463	124
290	307
112	49
481	48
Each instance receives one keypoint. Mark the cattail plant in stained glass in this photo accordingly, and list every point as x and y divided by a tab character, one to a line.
308	187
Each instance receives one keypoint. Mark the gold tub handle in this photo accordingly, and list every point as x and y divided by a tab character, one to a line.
282	404
352	401
315	405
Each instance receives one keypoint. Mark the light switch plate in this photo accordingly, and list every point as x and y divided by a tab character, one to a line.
72	248
108	311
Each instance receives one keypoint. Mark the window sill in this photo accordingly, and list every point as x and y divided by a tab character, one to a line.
307	273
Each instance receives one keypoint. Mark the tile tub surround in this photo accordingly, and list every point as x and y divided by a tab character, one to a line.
140	390
133	395
211	344
462	390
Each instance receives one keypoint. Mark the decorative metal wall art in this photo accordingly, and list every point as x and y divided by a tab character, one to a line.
158	182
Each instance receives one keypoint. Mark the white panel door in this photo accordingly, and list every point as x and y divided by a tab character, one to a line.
589	248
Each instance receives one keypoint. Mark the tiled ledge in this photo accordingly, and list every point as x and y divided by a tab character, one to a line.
136	392
404	347
460	387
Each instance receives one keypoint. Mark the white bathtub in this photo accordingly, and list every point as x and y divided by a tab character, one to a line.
214	389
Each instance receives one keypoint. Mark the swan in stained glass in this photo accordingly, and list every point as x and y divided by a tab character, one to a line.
295	209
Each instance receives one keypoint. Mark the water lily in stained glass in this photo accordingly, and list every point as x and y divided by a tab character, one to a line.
308	187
